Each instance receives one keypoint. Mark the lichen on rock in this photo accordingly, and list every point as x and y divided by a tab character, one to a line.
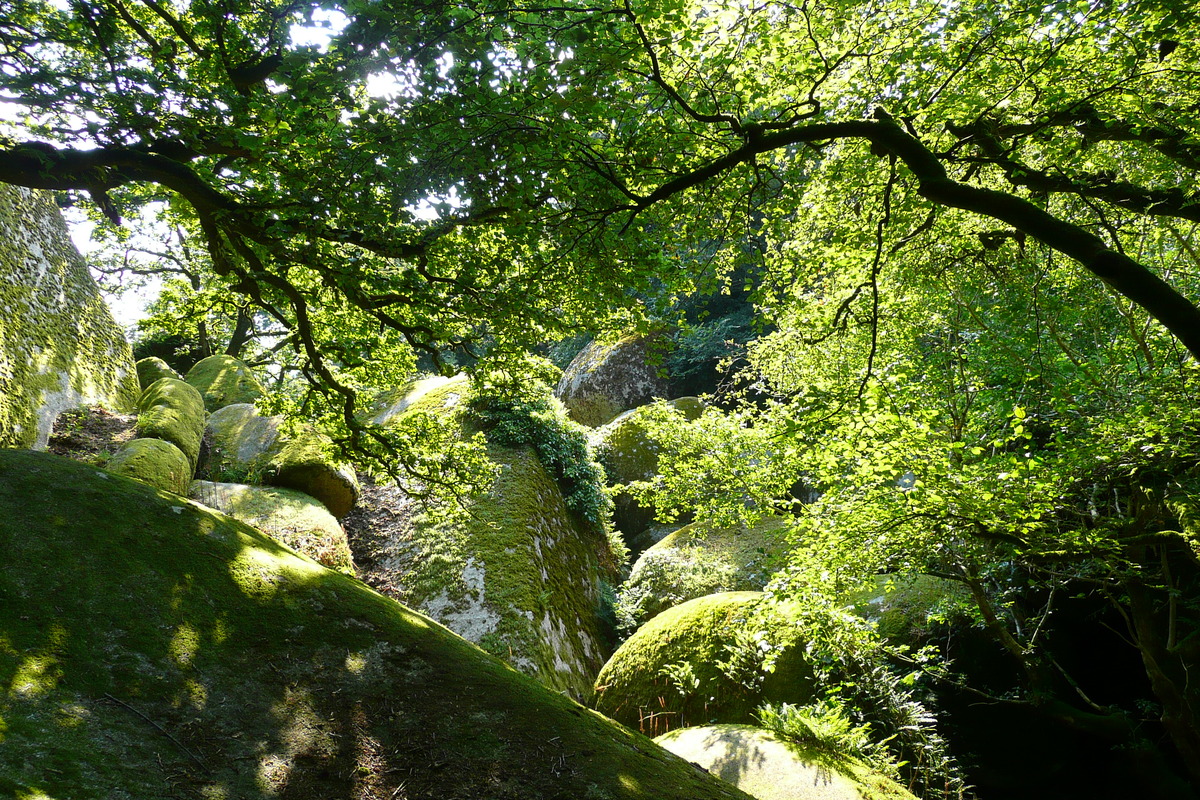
151	369
59	345
153	461
294	518
712	659
605	380
224	380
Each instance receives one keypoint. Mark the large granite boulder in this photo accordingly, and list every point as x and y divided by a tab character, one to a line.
151	369
172	410
152	648
910	609
768	767
59	345
698	560
628	452
713	659
516	572
606	379
294	518
153	461
224	380
246	447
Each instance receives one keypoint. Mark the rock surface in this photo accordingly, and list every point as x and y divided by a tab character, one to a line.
249	448
698	560
769	768
59	345
294	518
224	380
148	645
151	369
605	380
519	574
701	662
153	461
172	410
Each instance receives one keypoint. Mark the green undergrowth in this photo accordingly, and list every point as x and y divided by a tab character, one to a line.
150	647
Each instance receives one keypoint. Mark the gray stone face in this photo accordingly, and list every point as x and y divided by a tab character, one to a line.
59	345
605	380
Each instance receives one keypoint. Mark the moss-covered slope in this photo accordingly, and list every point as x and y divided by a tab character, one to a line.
150	648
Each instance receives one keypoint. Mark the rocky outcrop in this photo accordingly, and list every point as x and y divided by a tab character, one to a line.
768	767
223	380
59	345
293	518
701	559
517	573
706	661
606	379
151	369
153	648
247	447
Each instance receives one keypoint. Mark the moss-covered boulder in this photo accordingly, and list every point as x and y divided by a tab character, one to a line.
224	380
516	571
153	648
701	559
151	369
172	410
628	453
59	346
247	447
390	404
153	461
294	518
607	379
703	661
767	767
907	609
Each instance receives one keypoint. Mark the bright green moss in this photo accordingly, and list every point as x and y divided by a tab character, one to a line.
702	662
698	560
166	646
223	381
59	346
908	608
153	461
151	369
172	410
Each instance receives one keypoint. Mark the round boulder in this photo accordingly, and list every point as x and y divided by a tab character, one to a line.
712	659
224	380
151	369
607	379
153	461
907	609
698	560
297	520
767	767
172	410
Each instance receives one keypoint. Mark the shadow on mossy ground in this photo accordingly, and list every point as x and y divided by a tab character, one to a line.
150	648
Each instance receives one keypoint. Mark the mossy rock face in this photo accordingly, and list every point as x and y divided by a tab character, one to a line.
172	410
698	560
151	369
628	453
294	518
767	767
389	405
701	662
59	345
153	461
224	380
249	448
151	648
518	574
607	379
906	609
